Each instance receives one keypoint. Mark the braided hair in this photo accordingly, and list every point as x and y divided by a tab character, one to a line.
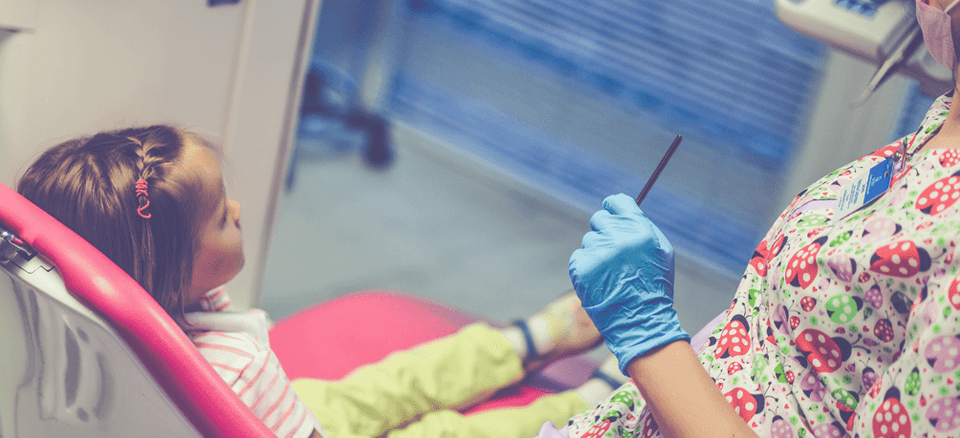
121	191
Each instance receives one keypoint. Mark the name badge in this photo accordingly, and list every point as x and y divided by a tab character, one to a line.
865	188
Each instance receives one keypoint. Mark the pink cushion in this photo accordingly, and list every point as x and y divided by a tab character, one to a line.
330	339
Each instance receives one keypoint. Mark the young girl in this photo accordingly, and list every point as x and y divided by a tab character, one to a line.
152	199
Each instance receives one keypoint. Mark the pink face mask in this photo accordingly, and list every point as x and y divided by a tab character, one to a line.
938	32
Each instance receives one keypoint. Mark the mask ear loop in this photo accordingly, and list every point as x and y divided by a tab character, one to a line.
950	7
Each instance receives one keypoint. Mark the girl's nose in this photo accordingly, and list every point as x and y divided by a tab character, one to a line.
236	211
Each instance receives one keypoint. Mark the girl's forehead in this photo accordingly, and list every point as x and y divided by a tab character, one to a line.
202	165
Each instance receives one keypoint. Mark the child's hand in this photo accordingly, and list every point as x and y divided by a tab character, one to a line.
624	277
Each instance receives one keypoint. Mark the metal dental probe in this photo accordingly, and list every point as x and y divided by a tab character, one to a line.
912	39
656	172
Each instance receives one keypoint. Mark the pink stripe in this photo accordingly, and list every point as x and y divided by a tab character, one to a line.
293	407
226	367
255	378
264	394
216	294
219	335
302	419
277	404
221	307
236	351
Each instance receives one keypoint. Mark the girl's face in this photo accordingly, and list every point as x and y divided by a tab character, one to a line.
219	256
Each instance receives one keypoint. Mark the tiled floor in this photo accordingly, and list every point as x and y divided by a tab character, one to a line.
443	227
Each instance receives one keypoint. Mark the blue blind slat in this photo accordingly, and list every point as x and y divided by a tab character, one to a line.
560	172
729	57
723	71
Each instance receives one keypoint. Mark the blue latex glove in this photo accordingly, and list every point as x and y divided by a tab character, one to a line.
624	278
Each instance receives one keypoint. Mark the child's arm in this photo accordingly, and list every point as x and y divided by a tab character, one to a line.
682	396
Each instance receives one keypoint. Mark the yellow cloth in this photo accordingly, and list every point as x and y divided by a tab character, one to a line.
416	393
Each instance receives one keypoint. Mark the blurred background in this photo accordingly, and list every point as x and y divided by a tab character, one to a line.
456	149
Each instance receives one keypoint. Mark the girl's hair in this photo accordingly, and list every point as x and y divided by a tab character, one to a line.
90	185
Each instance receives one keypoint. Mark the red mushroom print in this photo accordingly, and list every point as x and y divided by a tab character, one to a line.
883	330
940	195
825	354
598	429
745	403
875	389
802	267
733	339
777	245
759	264
953	293
808	303
949	157
816	231
900	259
759	259
886	151
733	368
891	419
794	322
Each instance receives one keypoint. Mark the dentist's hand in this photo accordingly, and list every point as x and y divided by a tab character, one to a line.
624	278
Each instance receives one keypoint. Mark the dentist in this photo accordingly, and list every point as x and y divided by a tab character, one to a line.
846	321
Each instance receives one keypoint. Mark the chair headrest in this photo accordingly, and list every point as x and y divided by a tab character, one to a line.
162	347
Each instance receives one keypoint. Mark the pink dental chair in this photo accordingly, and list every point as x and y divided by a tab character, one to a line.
86	352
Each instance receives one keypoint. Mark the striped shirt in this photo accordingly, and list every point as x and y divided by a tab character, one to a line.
237	346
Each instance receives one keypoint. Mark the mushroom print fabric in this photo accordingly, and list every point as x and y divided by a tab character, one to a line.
841	326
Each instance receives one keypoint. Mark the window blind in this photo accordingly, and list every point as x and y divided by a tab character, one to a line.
724	71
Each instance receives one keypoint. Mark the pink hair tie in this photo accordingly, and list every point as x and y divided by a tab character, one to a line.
142	190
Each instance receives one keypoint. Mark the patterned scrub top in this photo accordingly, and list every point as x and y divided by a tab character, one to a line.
841	326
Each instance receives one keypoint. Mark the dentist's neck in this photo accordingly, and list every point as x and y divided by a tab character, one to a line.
949	134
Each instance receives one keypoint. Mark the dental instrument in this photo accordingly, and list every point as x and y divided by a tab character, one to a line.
884	33
656	172
905	48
